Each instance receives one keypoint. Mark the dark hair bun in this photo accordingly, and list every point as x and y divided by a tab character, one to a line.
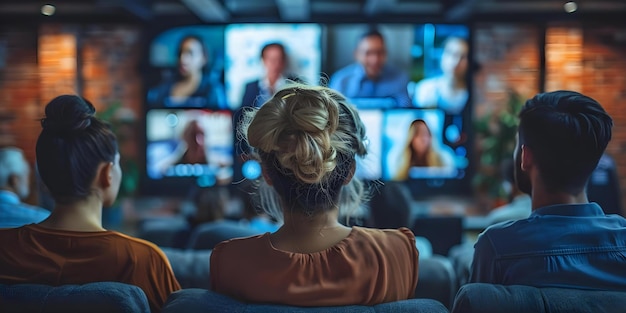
67	114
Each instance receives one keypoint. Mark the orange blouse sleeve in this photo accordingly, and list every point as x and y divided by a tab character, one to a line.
414	257
161	281
214	267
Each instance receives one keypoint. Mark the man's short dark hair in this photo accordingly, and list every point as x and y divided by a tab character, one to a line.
567	133
274	45
372	32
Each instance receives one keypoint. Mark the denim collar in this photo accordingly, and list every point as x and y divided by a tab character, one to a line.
585	209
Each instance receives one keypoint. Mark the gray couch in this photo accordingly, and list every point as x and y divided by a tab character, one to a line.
96	297
488	298
201	300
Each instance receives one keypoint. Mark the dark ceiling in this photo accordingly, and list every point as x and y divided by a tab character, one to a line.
235	11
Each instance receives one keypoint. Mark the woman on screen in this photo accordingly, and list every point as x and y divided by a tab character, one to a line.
420	150
447	91
191	86
308	140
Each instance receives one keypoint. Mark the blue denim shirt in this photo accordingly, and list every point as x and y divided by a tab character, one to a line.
352	82
13	213
571	246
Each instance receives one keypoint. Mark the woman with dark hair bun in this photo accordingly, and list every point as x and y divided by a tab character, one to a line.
78	160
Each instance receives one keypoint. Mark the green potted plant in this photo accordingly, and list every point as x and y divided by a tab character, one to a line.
495	134
123	123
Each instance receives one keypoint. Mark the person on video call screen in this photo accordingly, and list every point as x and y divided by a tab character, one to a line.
190	86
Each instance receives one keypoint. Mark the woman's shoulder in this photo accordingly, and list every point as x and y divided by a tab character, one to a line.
390	243
399	235
240	245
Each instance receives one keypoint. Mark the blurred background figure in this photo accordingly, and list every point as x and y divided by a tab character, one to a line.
211	205
603	186
370	76
447	91
519	206
191	148
254	216
195	148
274	58
420	150
191	86
14	187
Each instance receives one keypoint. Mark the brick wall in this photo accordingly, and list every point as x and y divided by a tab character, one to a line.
592	60
19	89
564	58
508	58
39	63
110	58
604	79
57	61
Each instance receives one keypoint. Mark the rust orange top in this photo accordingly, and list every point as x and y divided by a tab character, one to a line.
38	255
368	267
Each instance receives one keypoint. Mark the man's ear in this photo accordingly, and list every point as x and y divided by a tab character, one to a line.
350	173
527	159
104	176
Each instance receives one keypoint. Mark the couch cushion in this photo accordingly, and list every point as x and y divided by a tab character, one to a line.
191	267
490	298
572	300
487	298
201	300
91	297
436	280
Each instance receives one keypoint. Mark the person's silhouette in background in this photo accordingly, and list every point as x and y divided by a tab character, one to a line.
14	187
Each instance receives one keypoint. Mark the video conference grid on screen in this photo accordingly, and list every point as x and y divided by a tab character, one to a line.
415	112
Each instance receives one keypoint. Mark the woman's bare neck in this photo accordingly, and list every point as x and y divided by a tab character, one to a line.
301	233
84	215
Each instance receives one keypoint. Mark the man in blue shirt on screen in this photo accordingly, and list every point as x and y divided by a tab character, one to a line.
370	77
566	241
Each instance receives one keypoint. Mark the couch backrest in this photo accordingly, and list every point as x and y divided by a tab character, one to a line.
191	267
91	297
489	298
436	280
201	300
207	236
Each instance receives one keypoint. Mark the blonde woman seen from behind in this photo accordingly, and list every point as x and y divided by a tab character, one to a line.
307	140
